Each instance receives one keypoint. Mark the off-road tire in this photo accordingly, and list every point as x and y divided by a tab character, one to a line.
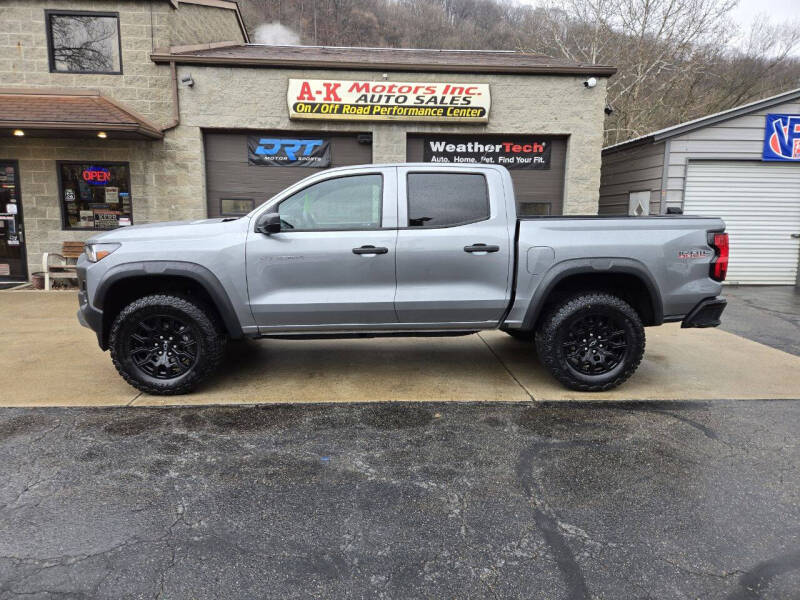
205	330
558	325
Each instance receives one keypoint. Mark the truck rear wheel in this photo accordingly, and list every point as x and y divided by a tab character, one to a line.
164	344
592	342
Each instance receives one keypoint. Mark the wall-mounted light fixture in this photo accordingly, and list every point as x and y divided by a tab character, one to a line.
102	134
19	132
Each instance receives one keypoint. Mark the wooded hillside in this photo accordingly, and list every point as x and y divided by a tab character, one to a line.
677	59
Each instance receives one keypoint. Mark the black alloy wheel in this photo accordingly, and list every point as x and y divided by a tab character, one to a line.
595	344
163	346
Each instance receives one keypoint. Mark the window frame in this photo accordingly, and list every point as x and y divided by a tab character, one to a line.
222	213
102	163
437	172
275	208
79	13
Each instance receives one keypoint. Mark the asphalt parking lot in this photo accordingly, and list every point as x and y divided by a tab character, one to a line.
767	314
272	497
436	500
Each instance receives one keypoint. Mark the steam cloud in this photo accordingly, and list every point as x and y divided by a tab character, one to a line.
276	34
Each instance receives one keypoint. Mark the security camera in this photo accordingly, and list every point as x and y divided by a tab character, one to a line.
187	80
609	110
590	83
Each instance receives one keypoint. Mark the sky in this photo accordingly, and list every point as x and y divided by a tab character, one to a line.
777	10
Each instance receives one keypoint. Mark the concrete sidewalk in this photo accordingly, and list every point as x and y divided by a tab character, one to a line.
50	360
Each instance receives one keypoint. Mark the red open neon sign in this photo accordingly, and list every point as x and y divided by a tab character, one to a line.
96	175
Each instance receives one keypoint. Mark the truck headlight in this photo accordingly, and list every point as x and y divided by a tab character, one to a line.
95	252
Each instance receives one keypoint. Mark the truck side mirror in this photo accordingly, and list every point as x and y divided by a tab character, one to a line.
269	223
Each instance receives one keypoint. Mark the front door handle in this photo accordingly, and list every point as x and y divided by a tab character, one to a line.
481	248
370	250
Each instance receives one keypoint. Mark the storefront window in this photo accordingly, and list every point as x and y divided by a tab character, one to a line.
95	195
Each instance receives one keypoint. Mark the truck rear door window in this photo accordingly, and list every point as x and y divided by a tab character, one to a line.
446	199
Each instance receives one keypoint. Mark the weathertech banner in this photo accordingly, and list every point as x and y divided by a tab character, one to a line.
272	151
511	152
388	101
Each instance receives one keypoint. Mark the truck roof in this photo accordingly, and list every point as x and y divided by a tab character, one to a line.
425	165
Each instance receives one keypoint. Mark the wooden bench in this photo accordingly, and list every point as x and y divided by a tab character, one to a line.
66	268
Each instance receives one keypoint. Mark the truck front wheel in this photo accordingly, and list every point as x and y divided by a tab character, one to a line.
164	344
592	342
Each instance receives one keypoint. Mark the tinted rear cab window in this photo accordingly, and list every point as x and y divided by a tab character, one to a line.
446	199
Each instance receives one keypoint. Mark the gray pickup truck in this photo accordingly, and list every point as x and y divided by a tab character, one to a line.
406	249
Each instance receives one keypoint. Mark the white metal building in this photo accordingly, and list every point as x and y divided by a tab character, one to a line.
742	165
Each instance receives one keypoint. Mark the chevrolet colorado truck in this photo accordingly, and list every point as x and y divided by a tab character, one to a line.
405	249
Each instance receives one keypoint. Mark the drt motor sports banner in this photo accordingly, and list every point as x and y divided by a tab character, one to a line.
337	100
273	151
511	152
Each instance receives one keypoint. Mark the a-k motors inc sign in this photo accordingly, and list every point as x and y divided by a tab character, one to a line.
388	101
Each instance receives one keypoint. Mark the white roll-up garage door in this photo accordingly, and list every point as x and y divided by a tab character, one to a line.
760	204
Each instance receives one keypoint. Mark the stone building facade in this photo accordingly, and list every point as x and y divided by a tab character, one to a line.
143	86
188	72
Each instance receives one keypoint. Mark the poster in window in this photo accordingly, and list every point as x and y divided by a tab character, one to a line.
272	151
106	219
86	219
511	152
112	194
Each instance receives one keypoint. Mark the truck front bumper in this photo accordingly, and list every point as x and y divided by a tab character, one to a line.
88	315
706	313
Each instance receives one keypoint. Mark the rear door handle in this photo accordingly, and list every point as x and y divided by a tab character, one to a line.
370	250
481	248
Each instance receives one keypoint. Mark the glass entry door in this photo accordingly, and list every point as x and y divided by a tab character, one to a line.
12	236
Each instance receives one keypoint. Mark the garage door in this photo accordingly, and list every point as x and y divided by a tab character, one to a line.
538	191
235	187
760	204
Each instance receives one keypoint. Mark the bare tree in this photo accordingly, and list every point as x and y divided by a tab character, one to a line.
676	59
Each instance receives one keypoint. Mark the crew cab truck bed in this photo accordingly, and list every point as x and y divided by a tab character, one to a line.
408	249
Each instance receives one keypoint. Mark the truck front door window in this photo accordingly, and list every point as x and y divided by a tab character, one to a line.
446	199
342	203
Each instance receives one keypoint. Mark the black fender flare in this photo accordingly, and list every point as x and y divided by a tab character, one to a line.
166	268
593	266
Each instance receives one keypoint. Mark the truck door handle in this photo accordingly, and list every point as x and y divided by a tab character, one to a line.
481	248
370	250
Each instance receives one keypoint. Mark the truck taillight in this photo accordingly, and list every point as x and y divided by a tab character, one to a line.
719	264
